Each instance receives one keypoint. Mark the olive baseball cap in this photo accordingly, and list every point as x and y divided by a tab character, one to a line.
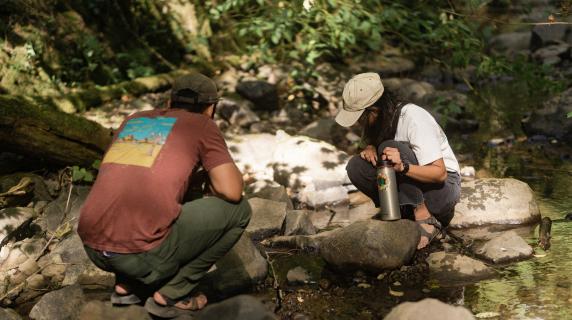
204	86
360	92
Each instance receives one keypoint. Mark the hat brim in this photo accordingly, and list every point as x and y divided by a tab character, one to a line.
348	118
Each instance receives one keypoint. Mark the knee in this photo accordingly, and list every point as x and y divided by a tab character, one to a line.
386	144
245	212
354	168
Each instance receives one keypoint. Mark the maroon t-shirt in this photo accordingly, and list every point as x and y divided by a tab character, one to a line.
144	176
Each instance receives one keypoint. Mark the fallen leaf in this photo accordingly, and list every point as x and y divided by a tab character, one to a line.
397	283
381	276
364	285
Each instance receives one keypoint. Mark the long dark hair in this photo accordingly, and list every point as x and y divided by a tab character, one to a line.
388	108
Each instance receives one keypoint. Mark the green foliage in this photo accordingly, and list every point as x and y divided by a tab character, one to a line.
85	174
569	115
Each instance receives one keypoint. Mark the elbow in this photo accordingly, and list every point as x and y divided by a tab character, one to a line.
442	177
234	197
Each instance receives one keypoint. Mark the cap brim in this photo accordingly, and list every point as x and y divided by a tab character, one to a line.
348	118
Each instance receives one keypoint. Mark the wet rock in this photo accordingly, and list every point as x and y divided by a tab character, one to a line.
237	111
298	222
428	309
237	308
263	94
371	245
453	268
506	247
13	218
59	304
99	310
553	54
55	213
79	268
551	119
511	43
278	194
9	314
283	160
495	201
240	269
297	275
267	218
546	34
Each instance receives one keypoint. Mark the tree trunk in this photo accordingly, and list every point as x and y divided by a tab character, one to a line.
48	134
83	99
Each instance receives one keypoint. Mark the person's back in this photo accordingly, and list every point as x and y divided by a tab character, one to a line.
144	176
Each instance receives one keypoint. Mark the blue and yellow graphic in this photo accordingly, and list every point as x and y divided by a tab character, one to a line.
140	141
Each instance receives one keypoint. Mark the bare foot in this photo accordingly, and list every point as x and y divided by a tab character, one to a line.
196	302
121	289
424	241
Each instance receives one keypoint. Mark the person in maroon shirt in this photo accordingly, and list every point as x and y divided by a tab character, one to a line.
135	221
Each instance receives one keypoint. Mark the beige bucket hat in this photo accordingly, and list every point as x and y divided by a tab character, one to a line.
360	92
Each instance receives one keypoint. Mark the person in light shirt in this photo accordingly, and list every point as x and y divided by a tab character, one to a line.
427	170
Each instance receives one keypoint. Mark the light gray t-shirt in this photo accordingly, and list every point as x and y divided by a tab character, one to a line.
417	127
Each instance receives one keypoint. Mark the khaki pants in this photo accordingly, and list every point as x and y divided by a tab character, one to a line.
205	231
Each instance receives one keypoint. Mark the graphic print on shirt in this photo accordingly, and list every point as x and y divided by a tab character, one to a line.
140	141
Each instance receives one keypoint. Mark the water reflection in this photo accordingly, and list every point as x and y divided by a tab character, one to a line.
540	288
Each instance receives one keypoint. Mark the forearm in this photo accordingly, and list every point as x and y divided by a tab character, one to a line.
428	173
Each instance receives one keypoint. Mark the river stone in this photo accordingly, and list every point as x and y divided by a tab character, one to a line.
267	218
298	222
240	269
99	310
277	193
237	111
79	267
297	275
551	119
282	159
13	218
9	314
506	247
495	201
453	267
342	216
263	94
371	245
321	129
553	54
511	43
55	212
237	308
428	309
409	89
546	34
60	304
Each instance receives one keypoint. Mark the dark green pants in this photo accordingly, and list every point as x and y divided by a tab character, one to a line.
205	231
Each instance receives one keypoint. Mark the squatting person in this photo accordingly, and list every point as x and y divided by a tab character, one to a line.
135	222
427	171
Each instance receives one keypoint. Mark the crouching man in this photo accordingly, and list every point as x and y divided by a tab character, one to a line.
134	222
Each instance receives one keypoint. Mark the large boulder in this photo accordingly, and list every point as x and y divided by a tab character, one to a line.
283	159
237	308
428	309
371	245
242	268
298	222
454	268
278	193
546	34
511	43
59	304
263	94
409	89
495	201
551	119
503	248
9	314
267	218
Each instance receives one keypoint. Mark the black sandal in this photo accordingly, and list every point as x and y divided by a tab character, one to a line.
437	230
169	310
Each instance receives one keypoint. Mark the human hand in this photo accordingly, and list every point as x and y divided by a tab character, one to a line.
369	154
393	155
